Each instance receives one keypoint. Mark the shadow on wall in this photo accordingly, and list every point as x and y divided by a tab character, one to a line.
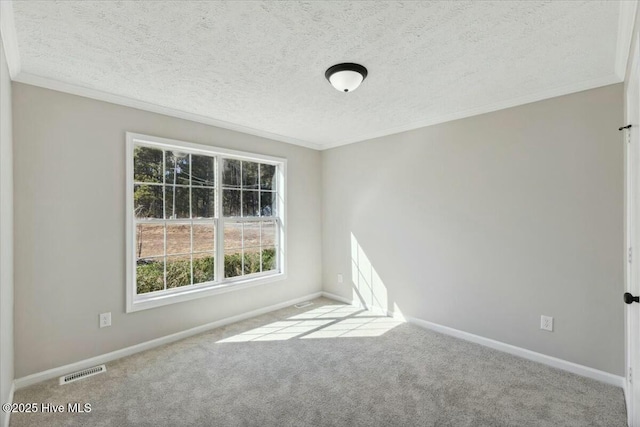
368	287
328	321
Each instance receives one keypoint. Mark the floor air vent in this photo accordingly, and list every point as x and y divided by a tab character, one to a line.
82	374
303	304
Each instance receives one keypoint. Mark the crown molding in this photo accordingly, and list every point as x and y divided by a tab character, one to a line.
9	38
99	95
513	102
626	21
60	86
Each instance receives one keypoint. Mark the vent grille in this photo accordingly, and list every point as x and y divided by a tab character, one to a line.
75	376
303	304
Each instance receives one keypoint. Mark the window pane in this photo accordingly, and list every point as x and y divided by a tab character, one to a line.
147	165
232	262
147	201
249	203
231	202
231	173
203	268
149	275
267	177
251	234
149	240
250	175
176	168
251	260
203	238
267	203
232	235
268	233
178	239
269	259
178	271
177	202
203	202
202	170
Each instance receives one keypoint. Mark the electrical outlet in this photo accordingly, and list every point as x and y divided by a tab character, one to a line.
340	278
546	323
105	319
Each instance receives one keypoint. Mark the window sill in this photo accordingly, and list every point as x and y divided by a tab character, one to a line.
138	303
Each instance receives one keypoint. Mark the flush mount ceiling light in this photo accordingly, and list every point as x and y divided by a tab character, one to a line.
346	77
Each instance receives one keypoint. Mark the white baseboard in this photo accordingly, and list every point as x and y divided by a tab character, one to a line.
341	299
554	362
625	390
104	358
7	415
373	309
575	368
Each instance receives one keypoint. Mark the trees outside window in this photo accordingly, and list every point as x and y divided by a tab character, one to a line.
201	217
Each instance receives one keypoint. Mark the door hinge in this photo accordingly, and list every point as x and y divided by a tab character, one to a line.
630	255
627	134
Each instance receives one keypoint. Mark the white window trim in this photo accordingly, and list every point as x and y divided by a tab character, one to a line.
156	299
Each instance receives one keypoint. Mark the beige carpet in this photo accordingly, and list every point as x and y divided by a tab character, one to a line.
327	365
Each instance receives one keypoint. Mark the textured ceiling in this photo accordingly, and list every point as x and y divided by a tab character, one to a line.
261	64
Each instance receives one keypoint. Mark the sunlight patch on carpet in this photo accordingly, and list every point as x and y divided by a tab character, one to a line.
331	321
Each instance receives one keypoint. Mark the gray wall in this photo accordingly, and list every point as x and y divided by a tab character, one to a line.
483	224
70	228
6	236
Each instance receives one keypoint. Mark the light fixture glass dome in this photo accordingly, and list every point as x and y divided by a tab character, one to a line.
346	77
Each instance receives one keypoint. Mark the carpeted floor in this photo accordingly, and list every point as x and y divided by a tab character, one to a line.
327	365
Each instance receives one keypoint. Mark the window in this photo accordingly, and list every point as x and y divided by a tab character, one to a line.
200	220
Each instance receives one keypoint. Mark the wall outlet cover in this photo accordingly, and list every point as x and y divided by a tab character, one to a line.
105	319
546	323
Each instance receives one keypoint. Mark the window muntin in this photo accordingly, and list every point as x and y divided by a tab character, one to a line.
174	207
250	247
181	218
249	215
249	189
249	193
